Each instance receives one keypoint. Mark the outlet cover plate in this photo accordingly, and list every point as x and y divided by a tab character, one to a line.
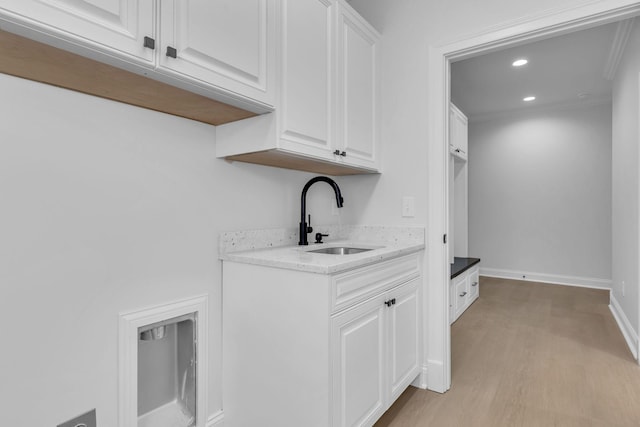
85	420
408	206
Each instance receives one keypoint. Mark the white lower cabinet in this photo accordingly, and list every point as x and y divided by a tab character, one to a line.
358	353
375	355
307	349
404	329
463	291
474	284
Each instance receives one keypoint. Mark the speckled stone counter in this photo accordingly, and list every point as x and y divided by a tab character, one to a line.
278	247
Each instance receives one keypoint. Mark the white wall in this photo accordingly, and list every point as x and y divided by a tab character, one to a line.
107	208
626	185
540	193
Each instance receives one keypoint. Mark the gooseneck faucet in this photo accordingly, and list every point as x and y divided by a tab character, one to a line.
304	227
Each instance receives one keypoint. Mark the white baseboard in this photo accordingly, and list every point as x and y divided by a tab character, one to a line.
630	335
421	379
216	420
436	376
556	279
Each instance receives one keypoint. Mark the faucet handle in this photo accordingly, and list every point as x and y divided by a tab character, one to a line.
309	227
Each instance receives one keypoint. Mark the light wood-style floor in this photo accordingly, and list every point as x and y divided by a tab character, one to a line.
531	354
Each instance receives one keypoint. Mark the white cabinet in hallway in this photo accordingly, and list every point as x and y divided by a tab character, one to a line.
464	289
458	133
458	184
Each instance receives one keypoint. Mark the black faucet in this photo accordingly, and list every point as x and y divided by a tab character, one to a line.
304	228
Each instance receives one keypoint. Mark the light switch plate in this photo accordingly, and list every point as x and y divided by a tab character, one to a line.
408	206
85	420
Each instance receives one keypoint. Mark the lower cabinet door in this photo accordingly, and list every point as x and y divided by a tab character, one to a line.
358	359
403	338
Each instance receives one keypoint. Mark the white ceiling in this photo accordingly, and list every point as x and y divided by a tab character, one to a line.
561	70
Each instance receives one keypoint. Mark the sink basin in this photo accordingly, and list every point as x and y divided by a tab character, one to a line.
341	250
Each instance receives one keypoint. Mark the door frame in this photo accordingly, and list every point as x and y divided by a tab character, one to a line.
552	23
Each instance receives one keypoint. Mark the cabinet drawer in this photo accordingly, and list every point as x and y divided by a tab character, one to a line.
474	284
461	294
357	285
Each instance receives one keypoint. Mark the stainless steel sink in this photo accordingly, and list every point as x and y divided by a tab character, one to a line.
341	250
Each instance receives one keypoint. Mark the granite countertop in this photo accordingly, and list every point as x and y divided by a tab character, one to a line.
460	265
258	247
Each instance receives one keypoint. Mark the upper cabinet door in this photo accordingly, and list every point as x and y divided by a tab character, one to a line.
458	133
112	26
229	44
357	105
306	82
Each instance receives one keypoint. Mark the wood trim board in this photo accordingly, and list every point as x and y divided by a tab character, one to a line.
29	59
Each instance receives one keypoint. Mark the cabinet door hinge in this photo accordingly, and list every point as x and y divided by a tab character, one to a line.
444	239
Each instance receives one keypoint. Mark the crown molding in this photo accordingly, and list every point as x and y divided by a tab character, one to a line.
617	48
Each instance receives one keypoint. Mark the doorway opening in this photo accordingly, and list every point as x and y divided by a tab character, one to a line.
440	58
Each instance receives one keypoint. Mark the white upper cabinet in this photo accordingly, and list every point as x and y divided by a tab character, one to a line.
221	49
326	114
357	103
306	80
109	25
226	43
359	364
458	133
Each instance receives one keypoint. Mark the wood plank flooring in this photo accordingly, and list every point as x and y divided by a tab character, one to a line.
531	354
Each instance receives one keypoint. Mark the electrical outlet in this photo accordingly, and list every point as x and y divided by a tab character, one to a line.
85	420
408	206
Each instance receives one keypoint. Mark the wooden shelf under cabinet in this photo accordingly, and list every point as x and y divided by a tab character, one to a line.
22	57
286	160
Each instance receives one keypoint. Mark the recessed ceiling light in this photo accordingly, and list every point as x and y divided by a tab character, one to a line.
520	62
528	98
